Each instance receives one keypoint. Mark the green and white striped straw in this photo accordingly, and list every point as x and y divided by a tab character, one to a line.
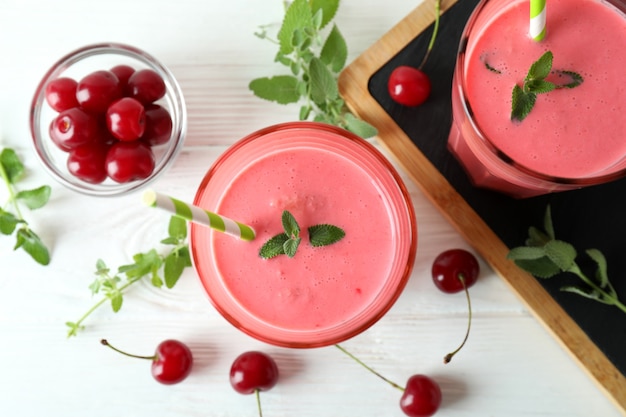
537	29
198	215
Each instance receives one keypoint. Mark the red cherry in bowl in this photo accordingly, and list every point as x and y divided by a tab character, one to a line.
61	93
171	362
129	161
97	90
421	397
126	119
408	86
253	371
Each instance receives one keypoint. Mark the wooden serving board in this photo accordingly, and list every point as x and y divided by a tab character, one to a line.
593	333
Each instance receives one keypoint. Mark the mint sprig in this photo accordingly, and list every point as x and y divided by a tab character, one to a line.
11	217
524	98
544	256
315	53
287	243
159	269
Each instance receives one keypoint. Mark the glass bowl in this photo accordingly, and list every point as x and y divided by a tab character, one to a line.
321	175
77	65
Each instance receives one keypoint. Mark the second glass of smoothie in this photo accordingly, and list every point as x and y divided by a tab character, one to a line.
572	137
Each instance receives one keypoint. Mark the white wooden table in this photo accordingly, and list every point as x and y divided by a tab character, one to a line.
510	367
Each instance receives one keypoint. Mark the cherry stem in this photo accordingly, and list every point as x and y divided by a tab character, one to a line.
449	356
257	394
106	343
360	362
434	35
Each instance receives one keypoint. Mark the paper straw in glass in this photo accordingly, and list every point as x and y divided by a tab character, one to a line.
198	215
537	29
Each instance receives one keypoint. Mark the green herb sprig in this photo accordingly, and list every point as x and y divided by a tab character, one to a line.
524	98
159	268
544	256
314	63
287	243
11	218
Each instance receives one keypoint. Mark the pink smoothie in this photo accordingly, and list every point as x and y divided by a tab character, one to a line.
570	133
319	177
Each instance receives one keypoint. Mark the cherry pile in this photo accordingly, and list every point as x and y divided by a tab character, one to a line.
108	122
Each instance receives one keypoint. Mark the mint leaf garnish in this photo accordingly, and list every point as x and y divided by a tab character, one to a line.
314	58
287	243
524	98
544	256
274	246
292	229
325	234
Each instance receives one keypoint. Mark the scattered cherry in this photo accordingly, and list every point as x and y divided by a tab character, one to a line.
408	85
253	372
171	362
453	271
421	397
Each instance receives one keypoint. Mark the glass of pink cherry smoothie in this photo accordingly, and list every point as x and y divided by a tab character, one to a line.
320	174
572	138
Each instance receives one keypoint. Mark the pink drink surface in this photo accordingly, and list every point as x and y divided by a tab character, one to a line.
320	287
570	133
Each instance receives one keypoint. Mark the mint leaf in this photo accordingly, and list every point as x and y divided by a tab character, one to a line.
32	244
11	164
291	246
560	257
8	222
524	98
282	89
335	51
328	7
541	68
601	276
298	15
359	127
177	228
541	267
538	86
522	103
36	198
562	254
173	266
292	229
274	246
575	79
325	234
323	83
